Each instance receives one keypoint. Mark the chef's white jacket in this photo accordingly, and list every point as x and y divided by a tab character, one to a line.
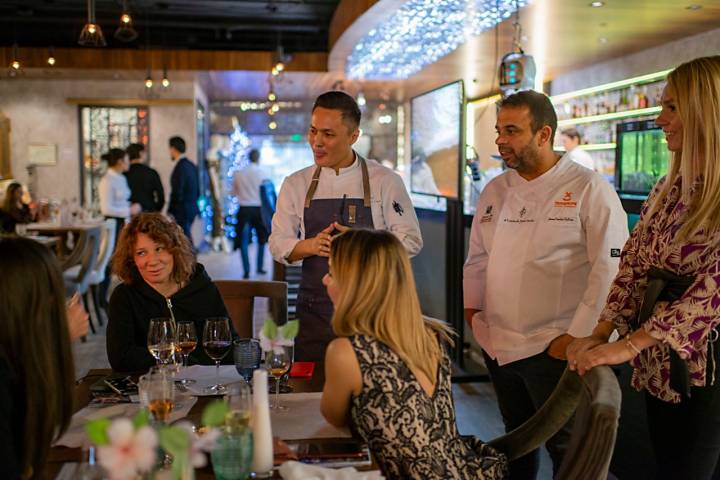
390	205
541	259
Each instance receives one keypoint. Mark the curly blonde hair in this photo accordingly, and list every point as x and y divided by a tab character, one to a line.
161	230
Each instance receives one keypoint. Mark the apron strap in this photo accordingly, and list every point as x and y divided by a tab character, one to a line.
365	180
313	186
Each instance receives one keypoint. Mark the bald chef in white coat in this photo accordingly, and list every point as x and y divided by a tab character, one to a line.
342	190
544	248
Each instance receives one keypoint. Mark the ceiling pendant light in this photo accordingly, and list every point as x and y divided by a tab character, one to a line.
15	63
91	35
165	80
125	32
51	57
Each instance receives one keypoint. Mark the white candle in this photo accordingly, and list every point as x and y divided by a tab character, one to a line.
262	431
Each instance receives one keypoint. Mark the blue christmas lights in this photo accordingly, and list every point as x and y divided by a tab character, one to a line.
420	33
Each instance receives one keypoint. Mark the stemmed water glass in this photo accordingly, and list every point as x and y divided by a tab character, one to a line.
278	361
161	339
217	341
186	343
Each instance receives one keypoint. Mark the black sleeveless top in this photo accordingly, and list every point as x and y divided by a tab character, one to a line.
412	434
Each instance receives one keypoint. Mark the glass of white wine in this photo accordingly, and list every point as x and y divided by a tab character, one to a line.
186	344
278	362
161	339
239	402
160	395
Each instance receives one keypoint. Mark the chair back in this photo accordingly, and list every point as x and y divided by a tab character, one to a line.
239	297
89	243
595	400
593	435
107	247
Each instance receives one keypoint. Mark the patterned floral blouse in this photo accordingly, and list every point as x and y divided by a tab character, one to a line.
683	325
411	434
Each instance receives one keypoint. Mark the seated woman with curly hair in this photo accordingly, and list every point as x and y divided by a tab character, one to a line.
161	278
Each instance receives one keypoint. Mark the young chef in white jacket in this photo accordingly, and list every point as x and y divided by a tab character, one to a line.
342	190
544	248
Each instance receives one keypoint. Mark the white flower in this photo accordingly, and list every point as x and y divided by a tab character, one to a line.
275	344
129	452
199	444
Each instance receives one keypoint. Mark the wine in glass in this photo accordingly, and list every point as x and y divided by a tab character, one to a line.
217	341
160	396
239	402
278	361
161	339
186	343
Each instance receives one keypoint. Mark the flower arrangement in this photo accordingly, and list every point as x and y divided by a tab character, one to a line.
275	338
127	447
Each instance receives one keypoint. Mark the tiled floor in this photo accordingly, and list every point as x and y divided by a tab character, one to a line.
475	403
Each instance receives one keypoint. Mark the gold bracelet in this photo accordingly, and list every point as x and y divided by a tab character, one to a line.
632	346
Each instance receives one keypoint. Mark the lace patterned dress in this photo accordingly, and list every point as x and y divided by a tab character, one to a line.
411	434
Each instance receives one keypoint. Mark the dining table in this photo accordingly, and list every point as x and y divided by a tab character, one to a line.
62	459
69	255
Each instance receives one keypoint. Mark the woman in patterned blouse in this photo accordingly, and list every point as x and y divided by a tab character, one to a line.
388	373
665	300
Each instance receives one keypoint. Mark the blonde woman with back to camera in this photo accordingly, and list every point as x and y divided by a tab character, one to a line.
388	373
665	300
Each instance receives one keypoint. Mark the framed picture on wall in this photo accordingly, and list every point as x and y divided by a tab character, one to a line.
42	154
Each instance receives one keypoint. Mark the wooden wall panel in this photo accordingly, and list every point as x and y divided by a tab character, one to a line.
126	59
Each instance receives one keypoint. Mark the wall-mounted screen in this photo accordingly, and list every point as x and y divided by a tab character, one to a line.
435	140
642	156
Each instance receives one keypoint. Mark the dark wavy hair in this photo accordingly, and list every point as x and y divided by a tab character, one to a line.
35	346
161	230
9	202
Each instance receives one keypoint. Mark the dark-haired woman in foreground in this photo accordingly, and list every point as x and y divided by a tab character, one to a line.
36	363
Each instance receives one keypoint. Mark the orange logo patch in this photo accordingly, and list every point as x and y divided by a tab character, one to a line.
566	201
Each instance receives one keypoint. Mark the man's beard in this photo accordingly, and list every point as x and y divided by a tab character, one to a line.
525	160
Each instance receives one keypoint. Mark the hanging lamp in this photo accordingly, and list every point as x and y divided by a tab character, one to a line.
91	35
126	32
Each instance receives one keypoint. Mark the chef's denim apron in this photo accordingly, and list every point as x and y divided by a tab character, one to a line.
314	309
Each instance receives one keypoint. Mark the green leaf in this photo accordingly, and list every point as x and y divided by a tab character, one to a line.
290	329
270	329
174	440
214	414
97	431
141	419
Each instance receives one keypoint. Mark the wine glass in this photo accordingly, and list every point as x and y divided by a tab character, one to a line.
217	340
278	361
161	339
160	395
239	401
186	343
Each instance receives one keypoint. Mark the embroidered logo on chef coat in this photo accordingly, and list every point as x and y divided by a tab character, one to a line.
566	201
523	212
488	215
521	217
398	208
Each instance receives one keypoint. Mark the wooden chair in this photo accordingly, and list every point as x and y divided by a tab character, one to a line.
239	297
594	399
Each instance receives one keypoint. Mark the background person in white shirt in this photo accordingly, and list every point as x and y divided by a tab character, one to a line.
246	188
342	190
544	248
114	194
571	140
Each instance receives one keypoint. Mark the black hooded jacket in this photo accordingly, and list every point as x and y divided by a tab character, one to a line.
133	305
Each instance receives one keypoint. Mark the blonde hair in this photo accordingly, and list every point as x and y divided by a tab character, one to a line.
378	298
696	89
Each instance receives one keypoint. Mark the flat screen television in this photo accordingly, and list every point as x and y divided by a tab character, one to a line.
436	130
641	156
